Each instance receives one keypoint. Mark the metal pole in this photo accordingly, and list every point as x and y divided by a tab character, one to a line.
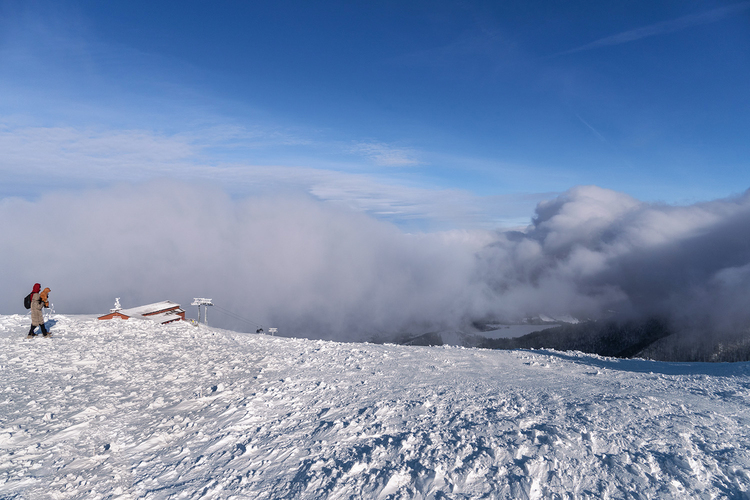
205	303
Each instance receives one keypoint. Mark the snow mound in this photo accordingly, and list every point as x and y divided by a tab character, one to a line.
130	409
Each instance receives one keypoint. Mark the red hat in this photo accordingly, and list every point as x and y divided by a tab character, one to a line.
36	289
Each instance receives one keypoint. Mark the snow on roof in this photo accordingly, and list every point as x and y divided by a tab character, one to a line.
165	311
149	308
166	317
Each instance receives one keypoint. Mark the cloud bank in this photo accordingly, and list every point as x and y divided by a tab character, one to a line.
307	267
319	269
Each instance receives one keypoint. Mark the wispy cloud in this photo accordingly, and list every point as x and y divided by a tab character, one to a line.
386	155
485	51
663	27
42	159
485	42
39	152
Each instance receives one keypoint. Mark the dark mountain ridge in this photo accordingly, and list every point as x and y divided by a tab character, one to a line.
653	338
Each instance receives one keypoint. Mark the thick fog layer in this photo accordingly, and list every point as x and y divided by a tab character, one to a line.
314	269
593	252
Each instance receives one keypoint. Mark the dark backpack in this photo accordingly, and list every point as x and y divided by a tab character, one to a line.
27	301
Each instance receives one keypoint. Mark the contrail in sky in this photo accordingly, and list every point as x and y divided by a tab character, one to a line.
663	27
593	130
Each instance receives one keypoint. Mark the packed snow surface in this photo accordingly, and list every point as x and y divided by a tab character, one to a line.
132	409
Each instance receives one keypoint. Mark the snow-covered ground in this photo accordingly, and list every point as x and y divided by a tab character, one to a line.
131	409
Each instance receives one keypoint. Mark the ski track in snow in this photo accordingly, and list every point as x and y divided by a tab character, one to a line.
130	409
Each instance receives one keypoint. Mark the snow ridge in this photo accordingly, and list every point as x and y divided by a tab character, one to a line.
130	409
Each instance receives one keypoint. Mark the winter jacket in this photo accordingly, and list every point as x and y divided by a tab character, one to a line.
36	310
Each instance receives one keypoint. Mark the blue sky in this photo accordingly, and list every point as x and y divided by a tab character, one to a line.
430	114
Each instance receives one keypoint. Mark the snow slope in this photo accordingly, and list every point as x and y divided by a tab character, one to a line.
130	409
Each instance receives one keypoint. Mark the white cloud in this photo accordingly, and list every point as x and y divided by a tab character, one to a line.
318	269
604	250
386	155
303	265
33	153
41	159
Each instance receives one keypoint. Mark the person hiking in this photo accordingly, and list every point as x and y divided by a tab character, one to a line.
37	319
